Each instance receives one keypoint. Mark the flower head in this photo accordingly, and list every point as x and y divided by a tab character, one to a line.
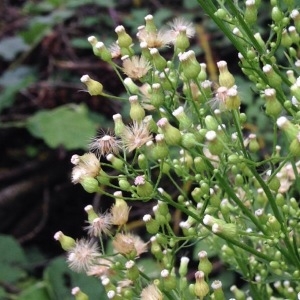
154	39
120	210
128	244
135	136
86	166
179	24
100	225
100	268
135	67
115	50
105	144
151	292
83	255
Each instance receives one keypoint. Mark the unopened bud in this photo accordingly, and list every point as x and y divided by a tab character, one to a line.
94	87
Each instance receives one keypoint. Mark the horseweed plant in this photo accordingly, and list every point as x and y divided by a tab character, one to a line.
188	151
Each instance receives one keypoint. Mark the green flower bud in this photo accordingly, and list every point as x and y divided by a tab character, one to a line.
280	200
150	25
222	14
91	213
288	128
132	271
211	123
295	15
238	294
183	268
273	224
116	162
172	134
159	62
203	74
215	146
273	106
295	90
253	143
66	242
94	87
182	41
93	41
276	14
152	226
273	78
274	184
156	248
232	100
143	188
132	87
137	112
201	288
161	149
124	183
295	146
119	125
157	96
294	34
124	39
90	184
226	79
204	265
142	162
250	15
104	53
151	124
188	140
286	40
103	177
190	66
200	164
78	294
184	121
218	291
291	76
168	280
260	41
145	51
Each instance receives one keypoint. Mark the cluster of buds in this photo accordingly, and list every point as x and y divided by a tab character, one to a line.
185	147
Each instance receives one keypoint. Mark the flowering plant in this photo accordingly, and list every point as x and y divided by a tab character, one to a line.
187	150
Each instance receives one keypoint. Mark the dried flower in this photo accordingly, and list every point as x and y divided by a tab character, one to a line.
100	268
120	210
88	165
154	39
179	24
100	225
115	50
129	244
135	136
135	67
151	292
105	144
83	255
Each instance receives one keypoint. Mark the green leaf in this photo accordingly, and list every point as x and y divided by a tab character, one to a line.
35	33
13	81
188	4
68	126
11	46
60	281
37	291
12	260
80	43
